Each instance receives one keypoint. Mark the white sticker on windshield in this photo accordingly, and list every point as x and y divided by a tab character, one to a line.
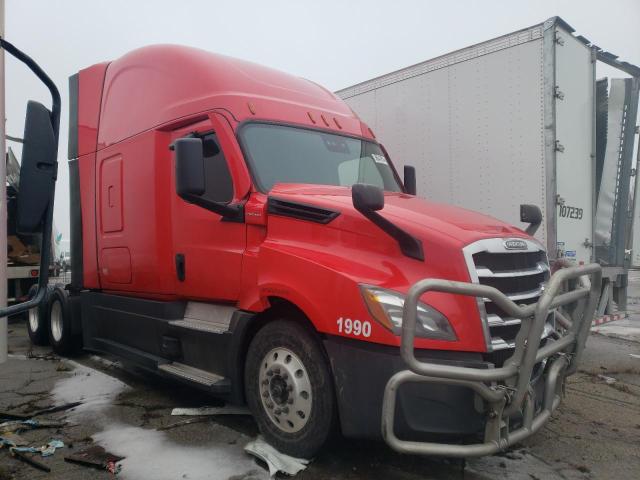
379	158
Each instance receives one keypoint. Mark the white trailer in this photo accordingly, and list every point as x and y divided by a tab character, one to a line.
512	121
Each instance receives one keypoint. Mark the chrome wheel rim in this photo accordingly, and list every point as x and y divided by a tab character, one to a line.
56	321
285	390
34	319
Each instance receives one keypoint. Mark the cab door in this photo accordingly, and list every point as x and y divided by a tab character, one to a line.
208	248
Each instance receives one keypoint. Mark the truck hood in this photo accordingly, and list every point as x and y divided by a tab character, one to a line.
421	218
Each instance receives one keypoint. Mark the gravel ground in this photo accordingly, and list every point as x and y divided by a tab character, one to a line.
595	433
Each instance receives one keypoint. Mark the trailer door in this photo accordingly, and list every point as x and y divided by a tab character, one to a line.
574	147
615	129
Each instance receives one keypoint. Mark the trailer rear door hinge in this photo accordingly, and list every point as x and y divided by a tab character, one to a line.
559	40
559	200
558	93
587	243
633	172
559	146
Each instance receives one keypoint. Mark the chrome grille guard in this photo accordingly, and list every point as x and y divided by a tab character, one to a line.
505	391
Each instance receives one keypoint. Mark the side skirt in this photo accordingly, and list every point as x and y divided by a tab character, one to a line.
200	344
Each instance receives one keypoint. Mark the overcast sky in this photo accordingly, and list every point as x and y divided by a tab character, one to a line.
335	43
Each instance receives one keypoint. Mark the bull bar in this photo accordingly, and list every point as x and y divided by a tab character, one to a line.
506	391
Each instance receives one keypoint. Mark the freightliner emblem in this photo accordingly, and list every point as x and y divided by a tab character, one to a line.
515	245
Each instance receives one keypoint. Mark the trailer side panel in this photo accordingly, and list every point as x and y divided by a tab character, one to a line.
473	125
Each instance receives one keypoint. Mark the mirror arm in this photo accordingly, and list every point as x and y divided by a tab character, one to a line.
44	78
45	250
532	229
233	212
409	245
45	259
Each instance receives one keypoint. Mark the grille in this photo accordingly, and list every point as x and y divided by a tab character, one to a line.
520	275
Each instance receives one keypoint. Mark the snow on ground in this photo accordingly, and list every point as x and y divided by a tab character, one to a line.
94	389
148	453
625	329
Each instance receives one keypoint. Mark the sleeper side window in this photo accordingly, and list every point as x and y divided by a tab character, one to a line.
218	182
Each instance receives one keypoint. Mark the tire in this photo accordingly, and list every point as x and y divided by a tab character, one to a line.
37	320
61	336
289	388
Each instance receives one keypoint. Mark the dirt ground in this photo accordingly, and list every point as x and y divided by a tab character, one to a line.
595	433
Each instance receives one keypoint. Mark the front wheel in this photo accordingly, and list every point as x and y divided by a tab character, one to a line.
289	388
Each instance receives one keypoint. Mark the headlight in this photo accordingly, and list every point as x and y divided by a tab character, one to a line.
385	306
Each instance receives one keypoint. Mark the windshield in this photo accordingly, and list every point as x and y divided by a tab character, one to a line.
281	154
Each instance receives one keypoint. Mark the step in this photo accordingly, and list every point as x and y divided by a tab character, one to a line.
192	374
200	325
206	317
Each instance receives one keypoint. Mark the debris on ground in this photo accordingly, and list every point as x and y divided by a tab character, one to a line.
4	415
40	356
96	457
15	445
17	426
20	455
182	423
9	439
63	367
225	410
56	408
607	380
51	447
13	416
275	460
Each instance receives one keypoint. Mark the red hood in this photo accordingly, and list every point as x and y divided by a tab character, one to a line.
416	215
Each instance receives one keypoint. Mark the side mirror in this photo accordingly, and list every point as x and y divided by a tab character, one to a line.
38	174
38	170
367	198
532	215
190	179
410	180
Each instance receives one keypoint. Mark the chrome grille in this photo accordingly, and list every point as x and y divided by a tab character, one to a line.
519	274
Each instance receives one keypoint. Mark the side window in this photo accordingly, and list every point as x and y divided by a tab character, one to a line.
219	185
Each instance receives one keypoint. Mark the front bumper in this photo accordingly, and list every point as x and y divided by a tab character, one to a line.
423	411
361	372
506	393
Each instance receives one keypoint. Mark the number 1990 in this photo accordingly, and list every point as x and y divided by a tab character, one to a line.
354	327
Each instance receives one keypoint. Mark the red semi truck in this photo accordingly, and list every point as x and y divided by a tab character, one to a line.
242	230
